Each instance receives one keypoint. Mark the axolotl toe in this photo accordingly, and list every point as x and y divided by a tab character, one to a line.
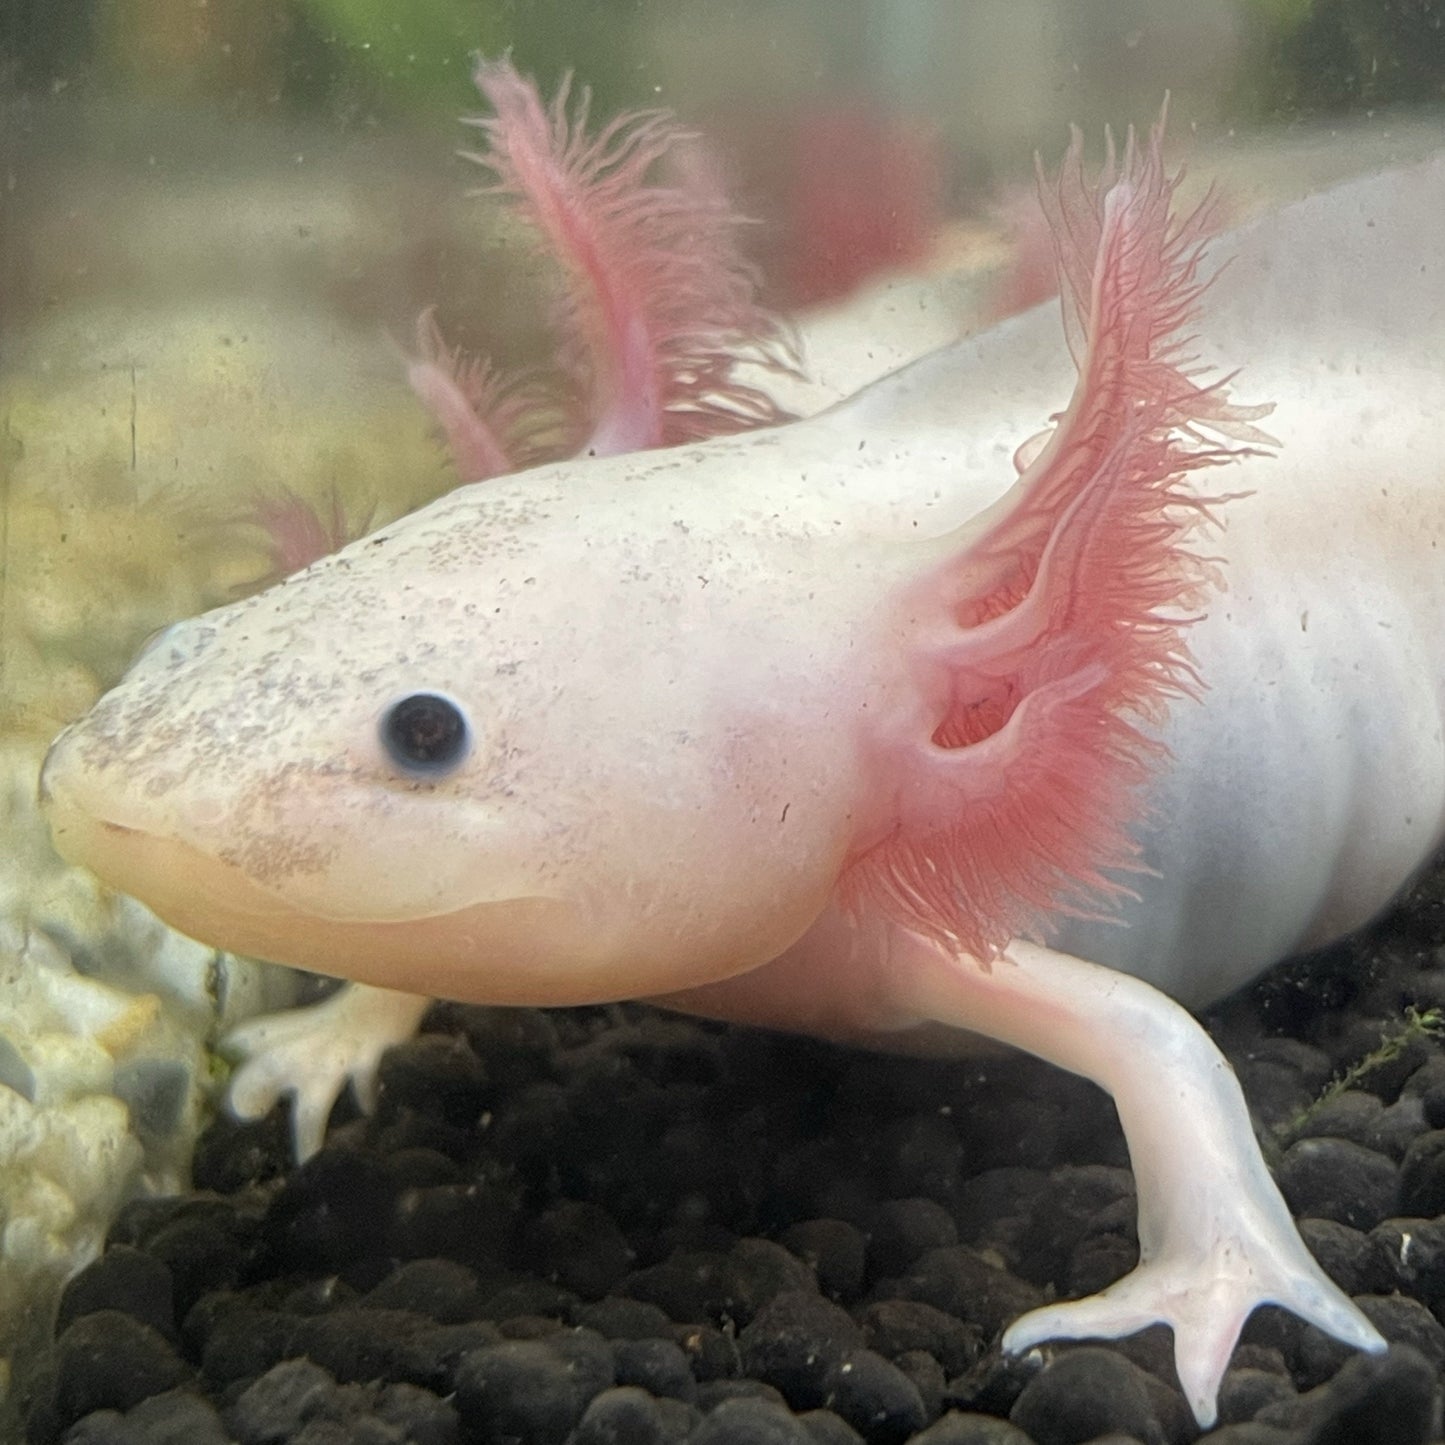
819	726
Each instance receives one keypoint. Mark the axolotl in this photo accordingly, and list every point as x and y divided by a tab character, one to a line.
827	726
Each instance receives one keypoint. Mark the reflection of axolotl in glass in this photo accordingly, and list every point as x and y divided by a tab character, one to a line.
813	726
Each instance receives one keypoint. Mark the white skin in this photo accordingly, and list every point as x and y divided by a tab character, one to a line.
675	665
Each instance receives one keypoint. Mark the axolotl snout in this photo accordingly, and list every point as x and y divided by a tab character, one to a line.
816	726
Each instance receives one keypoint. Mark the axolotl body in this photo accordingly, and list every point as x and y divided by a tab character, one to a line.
819	726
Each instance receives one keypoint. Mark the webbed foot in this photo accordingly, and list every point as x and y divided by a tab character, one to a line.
1205	1295
313	1053
1215	1236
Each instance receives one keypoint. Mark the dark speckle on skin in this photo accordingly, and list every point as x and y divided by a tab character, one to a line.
260	851
270	859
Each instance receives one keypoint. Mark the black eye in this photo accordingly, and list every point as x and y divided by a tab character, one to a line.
425	733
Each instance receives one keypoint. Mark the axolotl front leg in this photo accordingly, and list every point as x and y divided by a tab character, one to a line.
1216	1239
310	1055
1215	1236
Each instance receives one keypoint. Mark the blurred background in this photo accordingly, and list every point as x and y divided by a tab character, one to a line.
219	220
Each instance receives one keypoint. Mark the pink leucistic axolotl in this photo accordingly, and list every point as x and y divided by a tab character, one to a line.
823	726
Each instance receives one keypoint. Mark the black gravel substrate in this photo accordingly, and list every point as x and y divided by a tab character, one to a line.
612	1226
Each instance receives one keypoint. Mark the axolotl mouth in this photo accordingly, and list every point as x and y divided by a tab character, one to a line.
501	951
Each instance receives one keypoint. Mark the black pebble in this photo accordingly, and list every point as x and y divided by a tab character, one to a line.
441	1289
920	1155
124	1279
580	1247
1066	1212
966	1427
927	1377
354	1431
615	1318
826	1428
1413	1251
103	1427
1350	1114
712	1354
311	1297
469	1223
538	1297
420	1166
1339	1180
1405	1321
535	1124
795	1343
431	1356
1244	1393
109	1360
175	1418
1084	1393
624	1415
274	1407
240	1343
836	1251
233	1155
438	1075
203	1253
1398	1125
518	1045
750	1422
358	1344
758	1271
959	1281
903	1229
1422	1176
657	1366
687	1287
1099	1260
714	1392
875	1397
420	1416
895	1327
325	1216
533	1390
1392	1399
995	1208
1431	1092
1352	1259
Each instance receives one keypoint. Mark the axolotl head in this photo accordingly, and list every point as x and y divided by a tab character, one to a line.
525	746
627	726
